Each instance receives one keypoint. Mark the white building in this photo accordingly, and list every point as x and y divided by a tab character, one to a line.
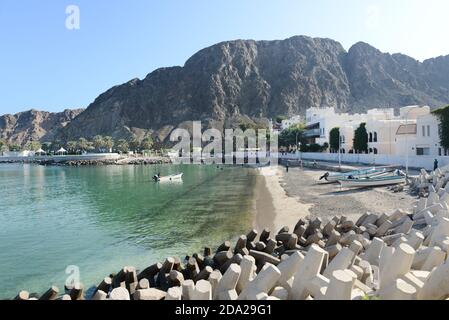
285	124
413	131
320	121
427	137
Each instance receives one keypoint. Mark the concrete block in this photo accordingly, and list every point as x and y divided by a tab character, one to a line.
119	293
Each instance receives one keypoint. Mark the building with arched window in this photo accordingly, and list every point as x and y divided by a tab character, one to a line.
414	131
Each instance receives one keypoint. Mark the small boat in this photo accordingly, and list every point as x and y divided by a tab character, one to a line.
364	173
372	181
174	177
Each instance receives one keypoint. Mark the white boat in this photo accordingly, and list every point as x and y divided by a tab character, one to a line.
174	177
357	174
372	182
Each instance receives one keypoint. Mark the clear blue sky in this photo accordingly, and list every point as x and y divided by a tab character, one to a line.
44	65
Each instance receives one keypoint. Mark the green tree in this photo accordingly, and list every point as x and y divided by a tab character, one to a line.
361	139
334	139
280	118
83	144
33	145
46	146
3	145
290	136
98	142
15	147
122	146
56	145
134	145
72	146
108	143
443	116
147	143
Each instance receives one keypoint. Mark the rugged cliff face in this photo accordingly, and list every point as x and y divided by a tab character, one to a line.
34	125
237	81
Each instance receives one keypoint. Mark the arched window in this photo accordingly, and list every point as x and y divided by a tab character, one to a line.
375	137
370	137
370	150
375	151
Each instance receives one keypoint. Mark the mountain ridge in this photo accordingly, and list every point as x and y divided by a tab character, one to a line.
250	81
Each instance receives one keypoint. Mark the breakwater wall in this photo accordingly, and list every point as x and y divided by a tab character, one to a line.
88	160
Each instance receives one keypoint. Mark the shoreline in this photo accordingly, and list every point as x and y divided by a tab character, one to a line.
274	207
282	198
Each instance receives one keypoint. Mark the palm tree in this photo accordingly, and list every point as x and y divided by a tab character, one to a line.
147	143
108	143
33	145
134	145
3	145
83	144
15	147
98	142
71	146
122	146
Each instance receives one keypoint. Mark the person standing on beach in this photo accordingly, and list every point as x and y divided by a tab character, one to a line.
286	167
435	164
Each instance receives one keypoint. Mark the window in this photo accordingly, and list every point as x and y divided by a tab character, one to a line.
422	151
375	136
375	151
370	150
428	131
423	131
370	137
439	152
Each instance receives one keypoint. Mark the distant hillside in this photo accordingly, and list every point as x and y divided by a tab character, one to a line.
34	125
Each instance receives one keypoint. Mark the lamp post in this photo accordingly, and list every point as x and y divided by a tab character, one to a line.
406	143
339	151
297	151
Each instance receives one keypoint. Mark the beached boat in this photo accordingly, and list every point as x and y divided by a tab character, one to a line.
357	174
372	181
174	177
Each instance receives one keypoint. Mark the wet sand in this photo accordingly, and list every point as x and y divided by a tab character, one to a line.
283	198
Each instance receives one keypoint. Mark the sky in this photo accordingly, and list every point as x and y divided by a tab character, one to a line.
52	58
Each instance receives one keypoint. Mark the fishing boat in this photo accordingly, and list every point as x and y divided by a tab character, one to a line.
364	173
174	177
372	181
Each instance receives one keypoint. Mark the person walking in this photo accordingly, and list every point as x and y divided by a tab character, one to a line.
435	164
286	167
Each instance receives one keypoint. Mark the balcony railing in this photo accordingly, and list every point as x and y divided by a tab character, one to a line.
312	133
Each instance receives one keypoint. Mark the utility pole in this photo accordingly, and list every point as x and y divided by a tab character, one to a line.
339	151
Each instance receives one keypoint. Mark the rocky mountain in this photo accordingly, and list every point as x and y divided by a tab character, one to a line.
34	125
246	81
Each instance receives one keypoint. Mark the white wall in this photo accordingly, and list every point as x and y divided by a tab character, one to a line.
417	162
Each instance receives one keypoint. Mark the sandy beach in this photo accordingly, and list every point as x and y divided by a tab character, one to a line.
282	198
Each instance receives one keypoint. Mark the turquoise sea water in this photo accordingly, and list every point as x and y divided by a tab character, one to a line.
103	218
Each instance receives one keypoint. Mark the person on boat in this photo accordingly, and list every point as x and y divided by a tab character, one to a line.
157	177
435	164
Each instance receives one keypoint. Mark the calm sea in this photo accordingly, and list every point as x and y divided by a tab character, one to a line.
100	219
